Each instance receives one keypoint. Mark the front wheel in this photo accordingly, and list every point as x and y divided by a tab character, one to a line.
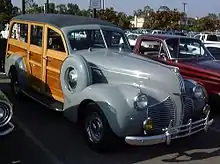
97	131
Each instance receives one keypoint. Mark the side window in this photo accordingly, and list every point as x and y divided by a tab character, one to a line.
54	41
151	47
36	35
84	39
19	31
197	36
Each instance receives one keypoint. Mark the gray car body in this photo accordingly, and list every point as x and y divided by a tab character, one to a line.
122	76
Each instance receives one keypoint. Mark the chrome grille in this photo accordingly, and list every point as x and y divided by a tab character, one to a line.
162	113
188	108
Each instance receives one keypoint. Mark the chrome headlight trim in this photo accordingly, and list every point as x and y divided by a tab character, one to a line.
141	101
198	92
7	113
1	113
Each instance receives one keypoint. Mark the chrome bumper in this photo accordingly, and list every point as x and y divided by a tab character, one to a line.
9	128
171	133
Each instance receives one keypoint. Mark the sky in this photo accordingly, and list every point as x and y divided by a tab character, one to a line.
194	8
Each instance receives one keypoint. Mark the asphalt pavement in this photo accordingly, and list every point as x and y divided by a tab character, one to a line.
43	136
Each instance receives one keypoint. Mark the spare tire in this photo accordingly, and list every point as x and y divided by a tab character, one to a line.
75	75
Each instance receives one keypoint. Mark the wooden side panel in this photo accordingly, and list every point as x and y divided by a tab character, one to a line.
17	47
53	78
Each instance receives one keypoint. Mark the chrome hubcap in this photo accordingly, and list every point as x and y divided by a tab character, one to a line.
94	129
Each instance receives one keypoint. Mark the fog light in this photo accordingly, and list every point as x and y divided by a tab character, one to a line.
148	124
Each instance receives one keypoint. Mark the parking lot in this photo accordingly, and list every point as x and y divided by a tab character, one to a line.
45	137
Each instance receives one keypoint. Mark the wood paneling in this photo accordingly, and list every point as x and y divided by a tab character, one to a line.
35	57
53	85
54	63
35	76
17	50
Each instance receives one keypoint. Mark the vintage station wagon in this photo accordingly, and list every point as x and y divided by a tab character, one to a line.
84	67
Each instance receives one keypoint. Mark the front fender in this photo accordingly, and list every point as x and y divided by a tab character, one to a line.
116	102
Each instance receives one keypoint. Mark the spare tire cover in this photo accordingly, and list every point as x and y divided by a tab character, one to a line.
84	76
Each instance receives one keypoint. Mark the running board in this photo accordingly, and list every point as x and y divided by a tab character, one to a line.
46	101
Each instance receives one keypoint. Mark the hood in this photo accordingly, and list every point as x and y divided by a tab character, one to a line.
213	65
122	65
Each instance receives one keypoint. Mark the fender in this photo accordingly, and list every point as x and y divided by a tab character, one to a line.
18	62
116	102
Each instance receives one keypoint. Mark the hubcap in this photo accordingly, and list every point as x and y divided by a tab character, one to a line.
94	128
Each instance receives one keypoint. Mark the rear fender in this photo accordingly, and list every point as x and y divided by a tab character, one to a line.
18	63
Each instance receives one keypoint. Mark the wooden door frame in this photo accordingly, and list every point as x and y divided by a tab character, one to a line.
36	49
52	53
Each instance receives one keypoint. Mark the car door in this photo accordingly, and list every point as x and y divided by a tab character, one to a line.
35	54
54	54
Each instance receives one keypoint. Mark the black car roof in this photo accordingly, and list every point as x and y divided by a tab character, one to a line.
61	20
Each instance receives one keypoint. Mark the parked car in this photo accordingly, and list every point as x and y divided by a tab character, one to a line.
189	55
214	49
101	83
132	38
6	113
208	38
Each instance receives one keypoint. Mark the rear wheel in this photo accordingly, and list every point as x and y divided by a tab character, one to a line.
97	131
15	85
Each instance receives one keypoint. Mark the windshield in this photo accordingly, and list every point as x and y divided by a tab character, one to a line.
186	48
85	39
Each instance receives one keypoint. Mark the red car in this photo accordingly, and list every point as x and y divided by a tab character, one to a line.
189	55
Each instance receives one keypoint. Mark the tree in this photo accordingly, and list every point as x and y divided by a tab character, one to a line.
73	9
61	9
164	8
5	10
32	7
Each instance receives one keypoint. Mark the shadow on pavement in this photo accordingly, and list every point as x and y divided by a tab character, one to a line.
64	141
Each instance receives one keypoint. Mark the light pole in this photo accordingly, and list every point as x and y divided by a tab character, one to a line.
103	4
47	6
23	6
184	9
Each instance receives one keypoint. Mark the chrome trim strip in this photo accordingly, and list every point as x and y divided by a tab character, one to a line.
125	72
56	109
7	131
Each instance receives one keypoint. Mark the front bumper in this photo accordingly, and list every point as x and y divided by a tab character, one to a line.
8	128
171	133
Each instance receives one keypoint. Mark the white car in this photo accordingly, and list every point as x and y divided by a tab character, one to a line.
208	38
132	38
214	49
158	32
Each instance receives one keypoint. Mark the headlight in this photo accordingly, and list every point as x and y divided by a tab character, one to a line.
198	92
5	113
1	113
141	101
